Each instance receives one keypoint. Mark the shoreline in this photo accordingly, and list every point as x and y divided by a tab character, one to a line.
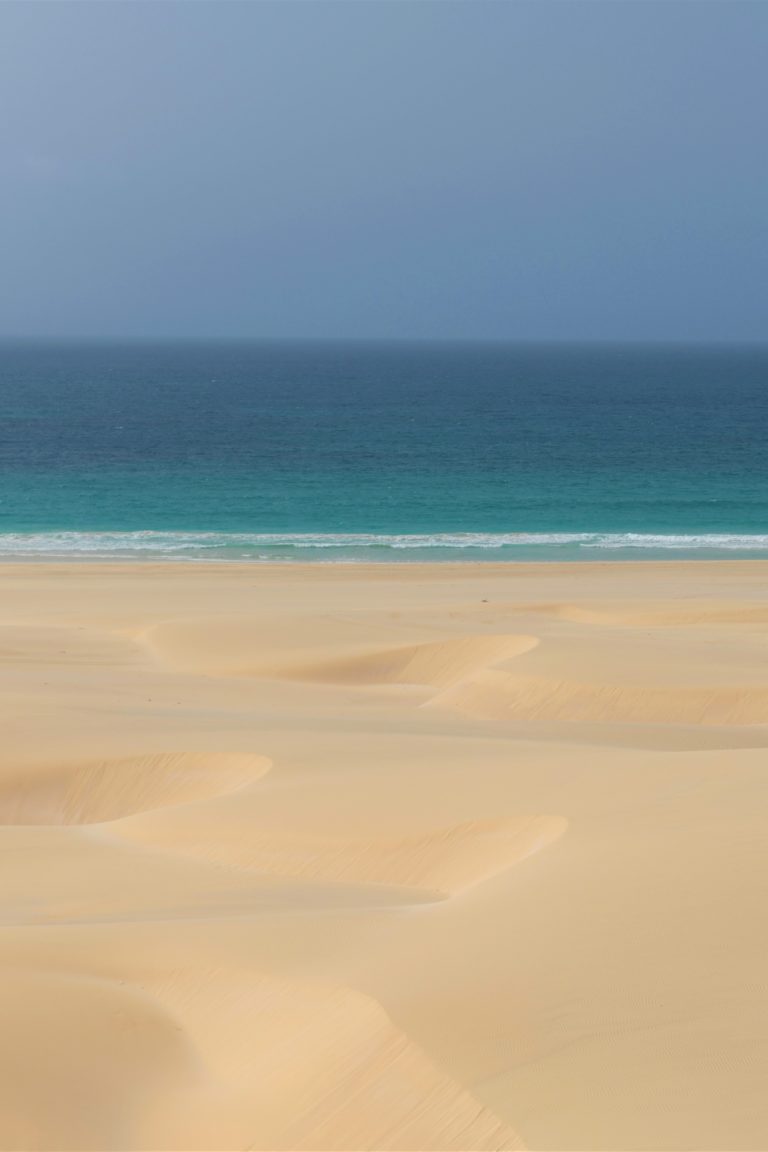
405	569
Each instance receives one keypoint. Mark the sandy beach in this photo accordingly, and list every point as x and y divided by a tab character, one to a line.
387	857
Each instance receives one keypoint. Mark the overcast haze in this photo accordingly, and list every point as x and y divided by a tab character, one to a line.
507	170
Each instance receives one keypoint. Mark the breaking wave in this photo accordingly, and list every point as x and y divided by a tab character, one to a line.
361	546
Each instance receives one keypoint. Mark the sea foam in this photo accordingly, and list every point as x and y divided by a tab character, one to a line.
350	546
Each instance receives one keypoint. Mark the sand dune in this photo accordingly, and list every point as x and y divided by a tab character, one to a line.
634	615
177	1063
99	790
437	664
230	649
361	857
444	861
81	1059
501	695
226	645
325	1069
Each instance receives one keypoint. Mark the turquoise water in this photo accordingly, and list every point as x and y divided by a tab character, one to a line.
396	452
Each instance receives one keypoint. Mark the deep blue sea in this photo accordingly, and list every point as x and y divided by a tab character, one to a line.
371	451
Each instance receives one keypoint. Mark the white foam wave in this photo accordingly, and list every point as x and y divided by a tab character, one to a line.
268	545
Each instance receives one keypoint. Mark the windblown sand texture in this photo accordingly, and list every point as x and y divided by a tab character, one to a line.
407	857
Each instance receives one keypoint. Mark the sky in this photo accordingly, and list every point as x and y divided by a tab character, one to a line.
540	170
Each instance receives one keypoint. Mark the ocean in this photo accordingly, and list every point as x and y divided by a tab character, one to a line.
366	451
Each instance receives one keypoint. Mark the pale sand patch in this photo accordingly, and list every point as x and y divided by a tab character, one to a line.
328	857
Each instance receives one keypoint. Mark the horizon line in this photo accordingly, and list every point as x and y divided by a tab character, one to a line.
520	341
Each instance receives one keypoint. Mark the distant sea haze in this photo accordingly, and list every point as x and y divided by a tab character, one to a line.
364	451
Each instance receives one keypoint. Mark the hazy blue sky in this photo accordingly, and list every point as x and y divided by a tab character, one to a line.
523	170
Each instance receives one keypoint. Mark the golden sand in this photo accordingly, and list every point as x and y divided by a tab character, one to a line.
406	857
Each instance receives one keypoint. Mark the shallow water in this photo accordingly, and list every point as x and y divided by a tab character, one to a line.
382	452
